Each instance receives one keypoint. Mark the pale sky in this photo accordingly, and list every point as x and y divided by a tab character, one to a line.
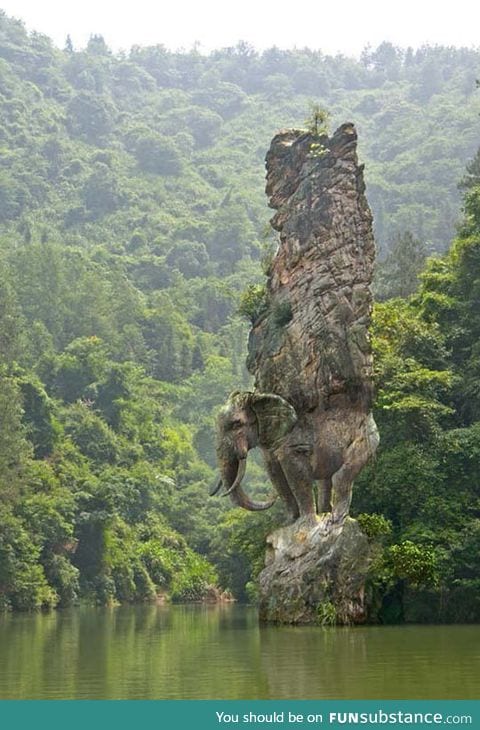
344	26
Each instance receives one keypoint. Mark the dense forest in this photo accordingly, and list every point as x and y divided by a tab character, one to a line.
132	218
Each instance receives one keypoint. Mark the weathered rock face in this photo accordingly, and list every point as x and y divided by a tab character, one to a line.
310	353
315	575
311	347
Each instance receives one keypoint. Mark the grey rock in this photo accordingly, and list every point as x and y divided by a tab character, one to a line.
315	574
310	353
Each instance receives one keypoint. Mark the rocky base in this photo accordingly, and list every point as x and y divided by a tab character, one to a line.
315	574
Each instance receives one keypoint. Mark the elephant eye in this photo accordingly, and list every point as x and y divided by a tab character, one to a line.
236	424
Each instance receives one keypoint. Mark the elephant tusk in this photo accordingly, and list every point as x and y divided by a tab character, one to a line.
213	490
242	467
241	500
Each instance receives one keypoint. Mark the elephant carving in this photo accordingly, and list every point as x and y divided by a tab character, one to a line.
309	346
299	450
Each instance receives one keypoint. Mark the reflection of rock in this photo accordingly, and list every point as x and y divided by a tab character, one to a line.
213	594
315	574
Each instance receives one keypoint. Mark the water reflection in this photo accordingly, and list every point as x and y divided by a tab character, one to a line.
404	662
220	652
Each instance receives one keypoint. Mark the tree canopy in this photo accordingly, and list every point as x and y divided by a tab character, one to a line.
133	240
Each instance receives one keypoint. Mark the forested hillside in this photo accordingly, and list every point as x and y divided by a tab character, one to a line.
132	216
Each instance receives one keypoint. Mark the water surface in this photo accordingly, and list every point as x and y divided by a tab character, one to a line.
220	652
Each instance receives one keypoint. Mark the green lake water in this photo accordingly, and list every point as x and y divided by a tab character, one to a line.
220	652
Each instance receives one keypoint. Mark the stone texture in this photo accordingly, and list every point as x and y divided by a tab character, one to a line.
315	574
320	277
311	346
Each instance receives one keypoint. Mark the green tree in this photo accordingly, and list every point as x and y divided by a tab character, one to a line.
15	450
157	154
90	117
398	275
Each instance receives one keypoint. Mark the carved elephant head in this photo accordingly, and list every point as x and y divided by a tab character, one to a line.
248	420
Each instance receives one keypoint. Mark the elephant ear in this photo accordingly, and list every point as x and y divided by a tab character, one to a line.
276	418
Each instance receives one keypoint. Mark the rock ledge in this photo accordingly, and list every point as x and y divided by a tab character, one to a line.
315	574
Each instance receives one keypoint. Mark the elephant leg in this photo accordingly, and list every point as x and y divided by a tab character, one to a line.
356	457
325	495
280	483
341	494
298	472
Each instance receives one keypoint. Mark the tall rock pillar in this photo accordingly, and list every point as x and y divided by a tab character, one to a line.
311	346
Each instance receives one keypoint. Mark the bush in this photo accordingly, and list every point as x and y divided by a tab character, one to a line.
416	564
64	578
374	526
23	585
157	154
91	434
326	614
253	302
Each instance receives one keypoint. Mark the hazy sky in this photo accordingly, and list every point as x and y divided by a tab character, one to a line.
341	25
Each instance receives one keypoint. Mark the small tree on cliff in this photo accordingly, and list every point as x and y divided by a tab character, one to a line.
317	122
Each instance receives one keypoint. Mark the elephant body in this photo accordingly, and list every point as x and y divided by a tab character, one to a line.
294	455
309	350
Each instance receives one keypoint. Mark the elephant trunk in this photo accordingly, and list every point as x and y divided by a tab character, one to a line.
235	490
